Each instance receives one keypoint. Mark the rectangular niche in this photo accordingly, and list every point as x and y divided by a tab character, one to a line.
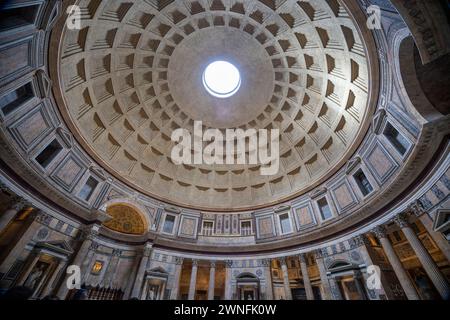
88	189
46	156
246	228
14	99
169	224
398	141
285	223
363	183
324	208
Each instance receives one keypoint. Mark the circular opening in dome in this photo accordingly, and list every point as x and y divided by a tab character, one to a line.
221	79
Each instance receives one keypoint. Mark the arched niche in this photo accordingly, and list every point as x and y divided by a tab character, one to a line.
126	219
428	22
434	79
247	286
406	63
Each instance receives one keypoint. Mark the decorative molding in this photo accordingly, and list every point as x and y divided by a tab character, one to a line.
44	83
172	209
282	208
378	120
352	164
318	192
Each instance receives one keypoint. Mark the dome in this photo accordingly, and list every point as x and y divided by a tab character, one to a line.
135	73
225	149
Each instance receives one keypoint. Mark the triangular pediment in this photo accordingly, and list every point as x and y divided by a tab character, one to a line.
61	246
442	220
158	270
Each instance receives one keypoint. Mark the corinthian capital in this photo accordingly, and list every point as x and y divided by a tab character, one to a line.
379	231
401	220
18	203
416	208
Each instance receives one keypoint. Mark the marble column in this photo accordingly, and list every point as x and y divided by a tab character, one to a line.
228	280
108	279
80	258
9	253
135	293
32	260
50	283
287	287
326	290
305	275
193	281
358	278
400	272
438	237
266	263
335	290
176	278
212	280
144	290
16	205
439	281
131	277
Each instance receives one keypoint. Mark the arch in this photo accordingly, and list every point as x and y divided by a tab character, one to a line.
407	79
429	26
158	270
247	276
142	210
247	286
341	265
126	219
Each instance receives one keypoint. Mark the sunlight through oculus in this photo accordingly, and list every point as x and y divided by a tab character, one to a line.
221	79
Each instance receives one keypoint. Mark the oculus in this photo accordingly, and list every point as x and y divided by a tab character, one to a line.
221	79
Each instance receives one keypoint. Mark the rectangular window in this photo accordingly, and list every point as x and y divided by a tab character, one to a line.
88	189
396	139
325	210
18	17
246	228
169	223
208	228
363	183
447	234
49	153
14	99
285	223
